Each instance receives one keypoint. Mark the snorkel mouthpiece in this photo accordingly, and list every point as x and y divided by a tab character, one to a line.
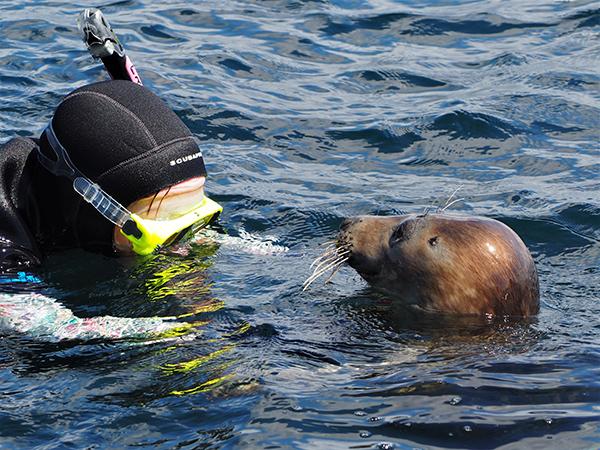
103	43
98	35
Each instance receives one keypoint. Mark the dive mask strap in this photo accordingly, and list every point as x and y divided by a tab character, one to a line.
90	191
62	165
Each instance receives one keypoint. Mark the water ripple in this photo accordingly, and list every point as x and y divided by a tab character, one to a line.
308	112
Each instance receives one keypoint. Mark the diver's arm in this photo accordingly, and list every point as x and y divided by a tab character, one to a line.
44	319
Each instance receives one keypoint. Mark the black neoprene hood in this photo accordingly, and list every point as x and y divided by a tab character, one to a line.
126	139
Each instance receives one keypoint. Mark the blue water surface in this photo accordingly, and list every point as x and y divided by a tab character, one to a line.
309	112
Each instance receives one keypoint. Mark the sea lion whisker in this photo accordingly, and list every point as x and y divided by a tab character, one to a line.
306	284
443	208
329	250
329	259
326	255
329	263
324	262
328	243
451	203
330	247
317	273
427	209
310	281
335	270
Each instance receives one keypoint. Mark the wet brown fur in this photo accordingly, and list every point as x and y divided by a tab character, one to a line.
445	263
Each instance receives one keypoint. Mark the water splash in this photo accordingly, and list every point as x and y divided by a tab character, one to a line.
246	242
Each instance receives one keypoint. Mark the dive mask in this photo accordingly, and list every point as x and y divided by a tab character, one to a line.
145	235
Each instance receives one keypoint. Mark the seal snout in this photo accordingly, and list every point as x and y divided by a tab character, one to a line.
344	239
346	228
335	255
354	240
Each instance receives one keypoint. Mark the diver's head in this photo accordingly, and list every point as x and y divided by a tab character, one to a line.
116	143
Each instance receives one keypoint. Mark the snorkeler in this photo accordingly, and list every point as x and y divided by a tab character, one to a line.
114	170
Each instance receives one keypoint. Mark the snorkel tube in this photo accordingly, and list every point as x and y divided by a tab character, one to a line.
102	43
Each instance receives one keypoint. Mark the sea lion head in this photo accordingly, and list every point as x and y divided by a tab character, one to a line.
441	262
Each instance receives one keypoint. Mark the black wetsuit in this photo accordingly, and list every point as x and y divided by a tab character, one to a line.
121	136
19	209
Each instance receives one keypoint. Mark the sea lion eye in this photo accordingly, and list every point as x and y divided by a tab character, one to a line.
433	241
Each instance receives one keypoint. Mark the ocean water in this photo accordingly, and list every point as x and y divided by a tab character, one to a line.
309	112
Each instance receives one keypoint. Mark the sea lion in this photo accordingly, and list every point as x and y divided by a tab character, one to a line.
445	263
